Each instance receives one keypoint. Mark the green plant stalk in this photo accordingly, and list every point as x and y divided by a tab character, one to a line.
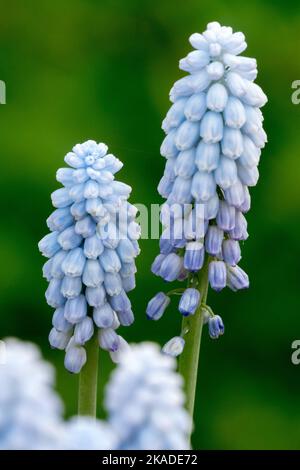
87	392
189	359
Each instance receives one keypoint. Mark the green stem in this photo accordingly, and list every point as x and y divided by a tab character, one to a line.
192	325
87	393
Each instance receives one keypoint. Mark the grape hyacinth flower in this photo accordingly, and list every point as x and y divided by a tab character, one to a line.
31	411
214	136
144	399
91	249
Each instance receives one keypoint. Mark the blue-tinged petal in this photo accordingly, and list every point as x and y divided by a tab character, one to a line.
49	245
189	301
95	296
157	306
69	239
110	261
203	186
59	339
174	346
93	247
211	127
231	252
126	317
108	339
216	98
195	107
194	256
60	219
73	264
61	198
217	275
213	240
237	278
171	267
104	316
71	287
93	274
215	326
113	283
59	321
83	331
53	294
207	156
75	309
75	359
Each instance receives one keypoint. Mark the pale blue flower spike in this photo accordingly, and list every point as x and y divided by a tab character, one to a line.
214	136
91	265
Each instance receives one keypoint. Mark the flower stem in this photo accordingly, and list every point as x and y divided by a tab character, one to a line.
188	361
87	393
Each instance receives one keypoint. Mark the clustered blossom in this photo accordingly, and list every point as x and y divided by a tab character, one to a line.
30	409
145	382
214	136
145	401
91	249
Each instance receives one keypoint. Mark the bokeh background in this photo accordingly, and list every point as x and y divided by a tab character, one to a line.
79	69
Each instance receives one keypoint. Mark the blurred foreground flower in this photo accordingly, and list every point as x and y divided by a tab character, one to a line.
144	399
30	409
86	433
91	249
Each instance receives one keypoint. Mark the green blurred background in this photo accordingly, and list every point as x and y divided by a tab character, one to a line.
79	69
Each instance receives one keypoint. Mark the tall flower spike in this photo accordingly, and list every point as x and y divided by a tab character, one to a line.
144	399
91	249
214	137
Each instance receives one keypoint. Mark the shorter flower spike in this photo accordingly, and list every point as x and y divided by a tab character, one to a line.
91	249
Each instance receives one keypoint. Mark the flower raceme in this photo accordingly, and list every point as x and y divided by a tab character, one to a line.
91	249
214	136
